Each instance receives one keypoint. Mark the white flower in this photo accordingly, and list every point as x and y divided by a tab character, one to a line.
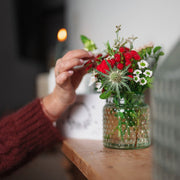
137	72
98	86
143	81
136	78
143	64
147	73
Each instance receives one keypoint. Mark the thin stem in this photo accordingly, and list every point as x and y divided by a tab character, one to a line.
137	129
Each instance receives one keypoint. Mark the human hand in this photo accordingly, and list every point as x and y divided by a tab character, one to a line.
68	77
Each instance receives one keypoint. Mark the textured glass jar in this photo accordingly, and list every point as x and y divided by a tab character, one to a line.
126	123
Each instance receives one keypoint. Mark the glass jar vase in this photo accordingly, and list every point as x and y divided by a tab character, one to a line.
126	123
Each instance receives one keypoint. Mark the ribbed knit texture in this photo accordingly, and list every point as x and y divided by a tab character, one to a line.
23	135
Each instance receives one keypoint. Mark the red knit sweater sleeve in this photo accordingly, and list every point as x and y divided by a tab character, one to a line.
24	134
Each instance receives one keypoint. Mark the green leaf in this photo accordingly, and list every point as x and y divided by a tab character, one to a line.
149	50
125	85
89	45
161	53
109	50
105	95
157	48
120	114
109	65
102	74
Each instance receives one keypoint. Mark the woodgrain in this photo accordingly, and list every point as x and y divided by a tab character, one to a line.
97	162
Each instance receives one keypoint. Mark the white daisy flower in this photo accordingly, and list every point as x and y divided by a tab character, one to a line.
143	64
136	78
137	72
143	81
147	73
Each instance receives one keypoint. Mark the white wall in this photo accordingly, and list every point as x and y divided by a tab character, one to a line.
150	20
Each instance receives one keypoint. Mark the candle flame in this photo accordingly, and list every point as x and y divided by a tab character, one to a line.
62	35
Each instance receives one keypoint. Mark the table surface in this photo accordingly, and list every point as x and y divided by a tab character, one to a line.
97	162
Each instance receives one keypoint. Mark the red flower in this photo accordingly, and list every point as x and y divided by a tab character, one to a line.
103	67
126	49
130	70
98	56
127	56
89	67
117	57
112	62
121	49
135	55
120	66
131	76
127	62
133	52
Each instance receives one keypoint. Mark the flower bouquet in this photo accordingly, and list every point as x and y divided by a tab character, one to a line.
122	74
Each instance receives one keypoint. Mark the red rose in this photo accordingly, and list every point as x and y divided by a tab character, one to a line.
135	55
103	67
131	76
130	70
126	49
117	57
127	56
133	52
120	66
127	62
112	62
121	49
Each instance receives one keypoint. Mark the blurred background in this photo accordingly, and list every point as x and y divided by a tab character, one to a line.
29	46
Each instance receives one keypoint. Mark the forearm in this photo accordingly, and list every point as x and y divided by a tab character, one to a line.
24	134
52	108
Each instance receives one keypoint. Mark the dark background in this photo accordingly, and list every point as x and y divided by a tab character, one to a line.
27	40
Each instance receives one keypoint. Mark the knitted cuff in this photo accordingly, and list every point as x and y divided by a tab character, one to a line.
34	130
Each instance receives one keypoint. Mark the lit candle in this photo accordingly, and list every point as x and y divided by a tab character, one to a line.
61	45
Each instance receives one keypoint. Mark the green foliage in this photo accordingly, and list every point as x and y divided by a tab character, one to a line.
105	94
119	84
89	45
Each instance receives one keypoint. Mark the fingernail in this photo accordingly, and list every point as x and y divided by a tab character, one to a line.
70	72
90	53
82	62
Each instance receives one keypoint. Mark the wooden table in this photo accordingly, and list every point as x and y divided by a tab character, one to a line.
99	163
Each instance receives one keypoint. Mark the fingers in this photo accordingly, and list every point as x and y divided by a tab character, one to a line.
78	53
62	66
71	59
61	78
